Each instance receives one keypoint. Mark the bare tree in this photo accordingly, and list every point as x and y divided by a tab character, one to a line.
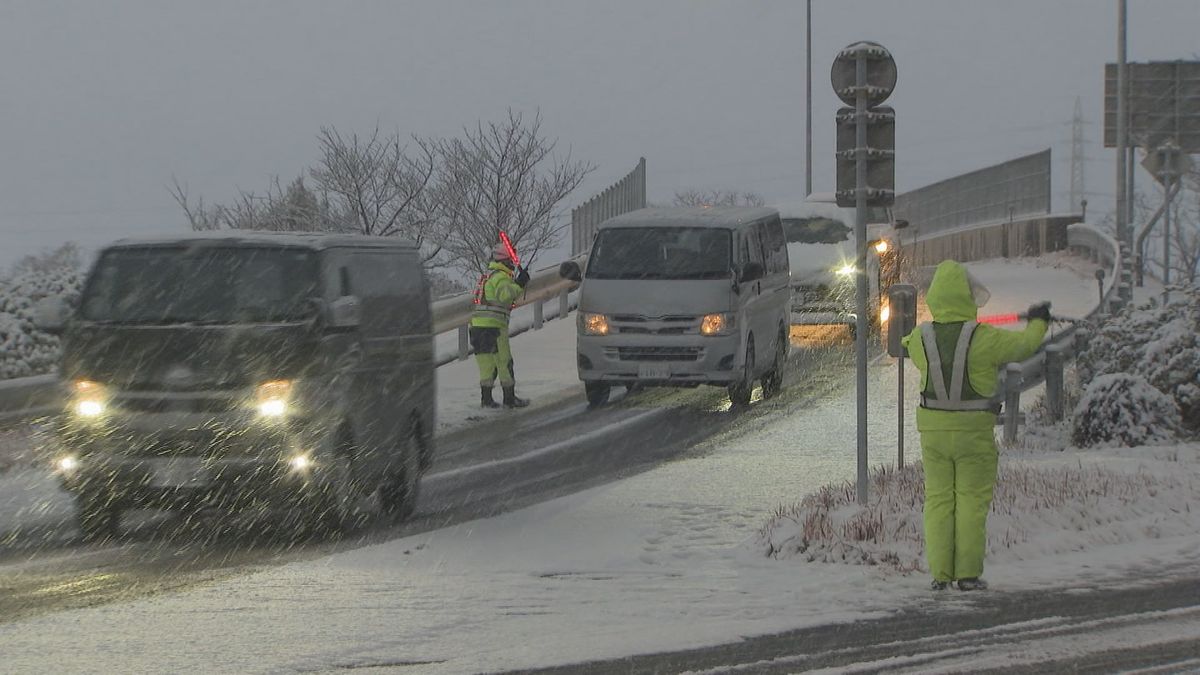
383	189
717	197
295	208
504	176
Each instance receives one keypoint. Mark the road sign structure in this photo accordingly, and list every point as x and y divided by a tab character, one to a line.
864	75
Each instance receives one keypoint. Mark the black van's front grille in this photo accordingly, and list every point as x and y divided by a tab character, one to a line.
176	404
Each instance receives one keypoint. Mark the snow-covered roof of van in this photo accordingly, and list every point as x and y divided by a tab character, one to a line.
309	240
690	216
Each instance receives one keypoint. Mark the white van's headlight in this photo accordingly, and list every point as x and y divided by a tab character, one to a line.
272	398
593	324
718	324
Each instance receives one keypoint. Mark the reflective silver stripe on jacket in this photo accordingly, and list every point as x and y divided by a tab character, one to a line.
484	308
950	398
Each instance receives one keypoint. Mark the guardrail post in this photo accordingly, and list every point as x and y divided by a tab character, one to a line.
464	343
564	305
1012	401
539	314
1055	358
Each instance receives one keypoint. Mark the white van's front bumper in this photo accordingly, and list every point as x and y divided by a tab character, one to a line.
660	360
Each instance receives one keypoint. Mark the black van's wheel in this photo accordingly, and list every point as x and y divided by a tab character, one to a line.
772	381
597	393
401	488
99	515
739	393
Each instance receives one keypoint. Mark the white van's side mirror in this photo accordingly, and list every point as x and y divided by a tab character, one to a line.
570	270
345	313
50	314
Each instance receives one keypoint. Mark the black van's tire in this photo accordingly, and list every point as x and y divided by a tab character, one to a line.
99	515
597	393
401	488
772	381
739	392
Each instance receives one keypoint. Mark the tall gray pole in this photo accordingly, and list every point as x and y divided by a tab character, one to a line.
860	234
808	104
1168	180
1122	142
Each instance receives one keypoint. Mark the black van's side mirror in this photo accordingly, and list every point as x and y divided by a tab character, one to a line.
344	314
751	271
570	270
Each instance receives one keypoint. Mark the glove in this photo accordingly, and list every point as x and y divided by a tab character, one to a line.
1039	311
523	277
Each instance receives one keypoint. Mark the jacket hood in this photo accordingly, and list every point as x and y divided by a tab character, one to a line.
949	297
499	267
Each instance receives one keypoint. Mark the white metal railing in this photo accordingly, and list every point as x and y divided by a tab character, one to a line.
1048	364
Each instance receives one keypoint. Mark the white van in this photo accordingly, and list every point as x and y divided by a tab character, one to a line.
821	247
679	297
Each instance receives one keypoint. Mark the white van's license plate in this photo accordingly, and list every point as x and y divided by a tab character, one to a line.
178	472
654	371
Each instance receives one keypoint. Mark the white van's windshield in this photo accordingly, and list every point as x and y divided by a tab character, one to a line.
661	253
208	284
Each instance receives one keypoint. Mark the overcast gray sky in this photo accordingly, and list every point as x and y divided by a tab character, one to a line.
101	103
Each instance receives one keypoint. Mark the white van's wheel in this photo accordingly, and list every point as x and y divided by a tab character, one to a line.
772	381
740	392
597	393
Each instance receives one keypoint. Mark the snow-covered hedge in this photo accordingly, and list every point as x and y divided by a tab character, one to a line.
24	350
1039	509
1159	344
1124	409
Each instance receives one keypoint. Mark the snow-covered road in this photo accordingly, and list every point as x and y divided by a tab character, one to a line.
659	561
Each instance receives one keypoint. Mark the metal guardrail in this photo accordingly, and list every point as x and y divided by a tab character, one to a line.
27	397
1048	364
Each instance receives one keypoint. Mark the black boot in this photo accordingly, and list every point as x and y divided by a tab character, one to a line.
485	397
511	400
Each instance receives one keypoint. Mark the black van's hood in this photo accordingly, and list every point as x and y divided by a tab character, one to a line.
186	357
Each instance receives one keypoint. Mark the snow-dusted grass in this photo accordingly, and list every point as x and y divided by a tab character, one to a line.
1041	508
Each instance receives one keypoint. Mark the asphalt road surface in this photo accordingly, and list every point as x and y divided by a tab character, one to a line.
524	458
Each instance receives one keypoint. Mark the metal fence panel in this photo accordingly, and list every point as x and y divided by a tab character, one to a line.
1010	190
627	194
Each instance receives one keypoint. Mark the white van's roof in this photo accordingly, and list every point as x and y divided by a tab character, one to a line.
726	217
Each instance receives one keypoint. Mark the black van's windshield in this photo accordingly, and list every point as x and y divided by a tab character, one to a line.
201	284
661	253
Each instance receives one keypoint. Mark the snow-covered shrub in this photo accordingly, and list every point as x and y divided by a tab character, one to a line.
1158	342
1123	409
1037	510
24	350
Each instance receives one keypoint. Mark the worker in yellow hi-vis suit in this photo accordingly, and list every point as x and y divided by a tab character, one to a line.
494	298
959	360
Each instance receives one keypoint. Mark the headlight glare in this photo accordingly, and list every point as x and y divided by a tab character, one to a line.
66	464
717	324
272	398
593	324
89	399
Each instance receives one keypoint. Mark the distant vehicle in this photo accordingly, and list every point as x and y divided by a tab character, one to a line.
679	297
821	248
280	371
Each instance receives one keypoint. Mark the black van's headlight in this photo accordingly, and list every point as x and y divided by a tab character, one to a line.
89	399
273	399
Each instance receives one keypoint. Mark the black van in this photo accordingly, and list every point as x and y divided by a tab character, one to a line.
284	371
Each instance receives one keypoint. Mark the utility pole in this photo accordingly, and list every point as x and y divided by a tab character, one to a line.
1078	186
1124	289
808	104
